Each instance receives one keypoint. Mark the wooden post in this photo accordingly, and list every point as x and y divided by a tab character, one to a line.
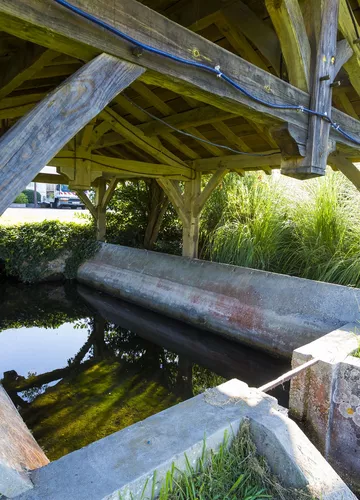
323	20
191	227
100	210
30	145
190	204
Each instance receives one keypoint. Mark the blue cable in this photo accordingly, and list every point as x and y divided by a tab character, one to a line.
216	71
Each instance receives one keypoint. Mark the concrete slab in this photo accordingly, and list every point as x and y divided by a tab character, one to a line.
121	464
269	311
19	452
326	398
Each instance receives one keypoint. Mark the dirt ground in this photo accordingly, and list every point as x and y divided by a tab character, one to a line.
21	215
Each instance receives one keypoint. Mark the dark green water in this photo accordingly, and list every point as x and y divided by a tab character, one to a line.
80	365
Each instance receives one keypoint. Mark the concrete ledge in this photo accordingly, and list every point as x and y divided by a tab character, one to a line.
19	452
273	312
121	464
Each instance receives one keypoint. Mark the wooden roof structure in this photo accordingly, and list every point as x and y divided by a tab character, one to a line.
101	108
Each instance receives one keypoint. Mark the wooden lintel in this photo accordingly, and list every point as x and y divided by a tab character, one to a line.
34	140
100	164
46	178
235	162
77	37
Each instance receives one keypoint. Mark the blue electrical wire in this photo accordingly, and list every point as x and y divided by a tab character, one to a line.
216	71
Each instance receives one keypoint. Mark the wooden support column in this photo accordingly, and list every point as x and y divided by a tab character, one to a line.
30	145
103	194
192	192
100	210
324	47
189	205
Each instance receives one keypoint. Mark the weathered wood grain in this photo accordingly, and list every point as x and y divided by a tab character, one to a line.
117	166
318	146
346	167
22	66
74	36
35	139
289	24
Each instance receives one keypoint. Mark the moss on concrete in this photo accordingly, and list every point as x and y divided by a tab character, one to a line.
90	405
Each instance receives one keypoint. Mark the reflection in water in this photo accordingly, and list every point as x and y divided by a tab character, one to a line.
83	365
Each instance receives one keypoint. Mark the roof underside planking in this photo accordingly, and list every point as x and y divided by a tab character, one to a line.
267	46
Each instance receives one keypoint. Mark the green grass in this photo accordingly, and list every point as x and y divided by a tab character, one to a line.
233	473
308	229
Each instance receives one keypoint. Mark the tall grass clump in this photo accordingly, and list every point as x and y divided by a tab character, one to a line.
253	228
325	226
234	472
309	229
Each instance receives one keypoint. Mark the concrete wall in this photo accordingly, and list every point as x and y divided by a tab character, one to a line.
121	465
19	452
327	399
273	312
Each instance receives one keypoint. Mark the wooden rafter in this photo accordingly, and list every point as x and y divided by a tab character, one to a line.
79	38
22	66
33	141
289	24
117	166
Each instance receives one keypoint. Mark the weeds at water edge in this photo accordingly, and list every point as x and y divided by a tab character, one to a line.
234	472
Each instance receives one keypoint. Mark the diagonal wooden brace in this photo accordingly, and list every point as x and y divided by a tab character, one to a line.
28	146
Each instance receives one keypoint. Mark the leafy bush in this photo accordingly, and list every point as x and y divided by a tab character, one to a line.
29	193
127	219
26	249
21	198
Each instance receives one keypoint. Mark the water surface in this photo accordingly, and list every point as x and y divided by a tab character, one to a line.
80	365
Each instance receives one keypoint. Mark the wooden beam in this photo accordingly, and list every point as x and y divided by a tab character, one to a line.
116	166
237	161
28	146
191	195
50	178
318	145
346	26
100	209
109	192
289	25
87	202
72	35
152	146
212	184
22	66
172	190
346	167
343	53
239	42
239	15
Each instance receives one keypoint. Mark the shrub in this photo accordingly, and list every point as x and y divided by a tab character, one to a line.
21	198
29	193
26	249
